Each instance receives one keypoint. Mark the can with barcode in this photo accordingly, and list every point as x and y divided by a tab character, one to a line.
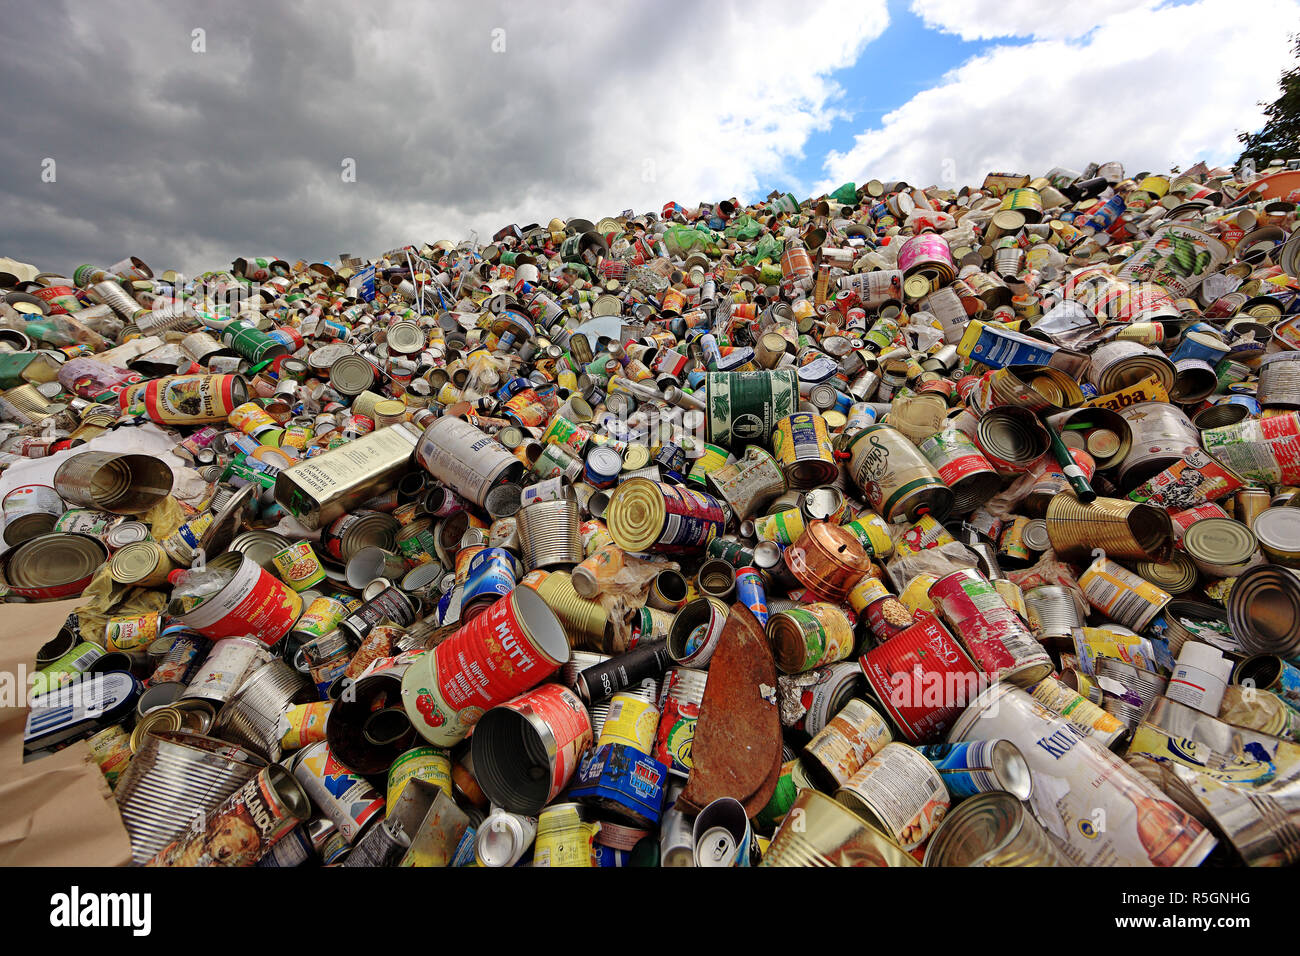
1121	595
899	791
848	740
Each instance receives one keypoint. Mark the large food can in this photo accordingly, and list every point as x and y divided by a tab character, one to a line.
645	515
923	677
120	483
30	510
1101	811
466	460
513	645
899	791
245	827
1162	436
802	445
993	633
818	831
185	399
1177	256
744	407
526	749
962	467
251	602
896	478
321	489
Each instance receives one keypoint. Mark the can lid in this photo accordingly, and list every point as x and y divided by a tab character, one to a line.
351	374
1011	769
1278	529
1219	541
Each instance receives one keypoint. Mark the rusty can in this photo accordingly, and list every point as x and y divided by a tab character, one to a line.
828	560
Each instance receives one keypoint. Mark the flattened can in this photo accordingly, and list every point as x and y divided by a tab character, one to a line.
923	677
896	478
899	791
1075	776
802	445
996	637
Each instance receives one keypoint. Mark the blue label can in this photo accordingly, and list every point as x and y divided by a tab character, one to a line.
751	592
980	766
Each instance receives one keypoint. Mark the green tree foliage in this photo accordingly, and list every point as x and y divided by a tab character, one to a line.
1280	137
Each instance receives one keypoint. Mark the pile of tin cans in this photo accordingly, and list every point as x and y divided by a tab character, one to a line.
894	527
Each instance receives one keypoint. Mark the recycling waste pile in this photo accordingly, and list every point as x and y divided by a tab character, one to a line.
896	527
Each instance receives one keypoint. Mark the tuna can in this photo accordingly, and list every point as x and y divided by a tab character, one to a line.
694	634
526	750
298	566
1141	826
513	645
344	798
802	445
1221	547
1161	436
980	766
990	629
896	478
390	604
818	831
645	515
744	407
992	829
430	764
668	591
1121	595
899	791
466	460
173	776
839	749
1264	611
923	677
492	574
679	709
962	467
246	825
1125	529
121	484
564	838
749	484
55	565
1089	719
809	636
631	721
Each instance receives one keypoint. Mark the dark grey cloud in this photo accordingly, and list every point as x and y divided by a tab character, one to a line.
188	159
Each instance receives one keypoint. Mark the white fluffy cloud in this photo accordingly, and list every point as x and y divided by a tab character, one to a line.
990	19
1149	87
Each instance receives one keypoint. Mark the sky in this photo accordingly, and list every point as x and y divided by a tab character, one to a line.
190	133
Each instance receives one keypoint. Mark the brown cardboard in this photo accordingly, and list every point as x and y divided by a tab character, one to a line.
58	810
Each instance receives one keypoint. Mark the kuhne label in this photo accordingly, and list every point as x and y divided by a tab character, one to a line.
77	909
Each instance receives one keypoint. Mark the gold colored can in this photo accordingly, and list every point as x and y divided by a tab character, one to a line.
143	564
